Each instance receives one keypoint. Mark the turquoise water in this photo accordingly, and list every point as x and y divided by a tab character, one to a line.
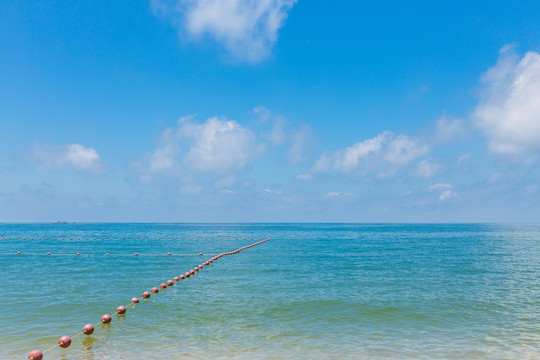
314	291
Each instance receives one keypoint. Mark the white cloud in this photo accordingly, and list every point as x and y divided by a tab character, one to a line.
215	147
428	168
247	29
440	186
402	150
382	155
447	194
299	139
77	156
509	111
463	159
164	157
218	145
449	129
338	194
268	191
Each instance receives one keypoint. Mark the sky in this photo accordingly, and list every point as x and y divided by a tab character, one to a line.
269	111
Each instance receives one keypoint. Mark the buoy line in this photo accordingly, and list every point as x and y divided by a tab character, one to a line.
127	238
88	329
106	254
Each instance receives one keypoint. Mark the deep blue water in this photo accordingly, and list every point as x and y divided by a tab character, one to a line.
314	291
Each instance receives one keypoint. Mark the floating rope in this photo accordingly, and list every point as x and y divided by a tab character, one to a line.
88	329
71	238
106	254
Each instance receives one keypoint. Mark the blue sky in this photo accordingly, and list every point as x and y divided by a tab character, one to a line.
276	110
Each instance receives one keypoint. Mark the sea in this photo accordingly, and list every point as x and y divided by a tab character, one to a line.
313	291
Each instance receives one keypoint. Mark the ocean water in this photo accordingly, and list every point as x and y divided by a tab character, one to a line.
314	291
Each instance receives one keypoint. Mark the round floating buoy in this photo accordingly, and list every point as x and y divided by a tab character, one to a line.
200	253
121	310
136	254
181	277
35	355
187	274
64	342
192	272
48	253
168	253
170	283
163	285
88	329
155	290
200	267
106	319
146	294
78	254
107	254
135	300
18	253
176	278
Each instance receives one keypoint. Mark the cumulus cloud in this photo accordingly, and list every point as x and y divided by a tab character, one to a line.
446	193
381	155
246	29
77	156
449	129
218	145
440	186
215	146
509	111
335	194
298	139
428	168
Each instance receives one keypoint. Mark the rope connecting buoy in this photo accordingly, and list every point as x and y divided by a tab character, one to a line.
88	329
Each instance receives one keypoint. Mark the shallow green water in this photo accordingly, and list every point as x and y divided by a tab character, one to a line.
315	291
